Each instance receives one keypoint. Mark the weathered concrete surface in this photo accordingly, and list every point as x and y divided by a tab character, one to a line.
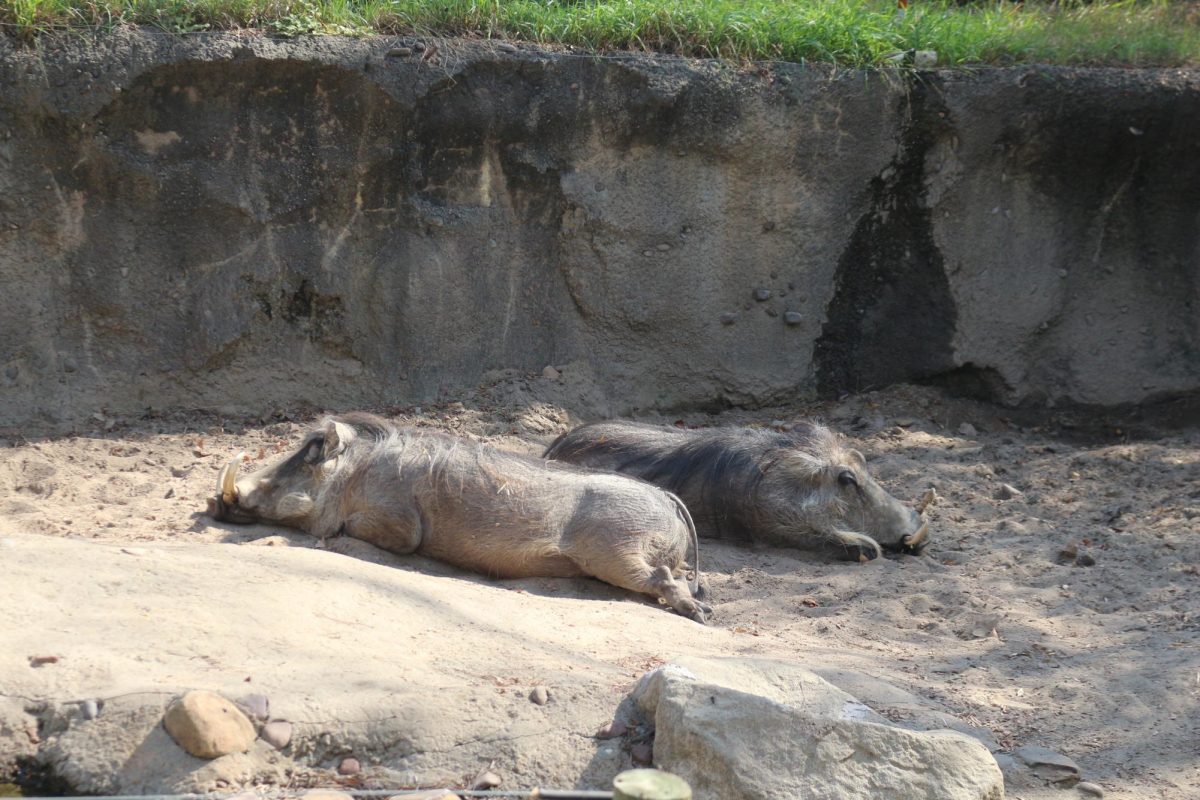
245	223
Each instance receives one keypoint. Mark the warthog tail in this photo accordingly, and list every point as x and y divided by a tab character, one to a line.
681	509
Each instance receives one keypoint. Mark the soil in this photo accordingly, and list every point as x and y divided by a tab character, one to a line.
1055	607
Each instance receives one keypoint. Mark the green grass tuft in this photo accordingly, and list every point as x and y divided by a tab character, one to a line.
846	32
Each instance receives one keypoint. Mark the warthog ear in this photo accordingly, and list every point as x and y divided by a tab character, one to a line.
338	437
857	457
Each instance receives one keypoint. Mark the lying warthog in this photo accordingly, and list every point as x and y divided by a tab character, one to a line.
798	489
496	513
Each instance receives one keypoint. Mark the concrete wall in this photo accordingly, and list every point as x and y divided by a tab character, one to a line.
247	224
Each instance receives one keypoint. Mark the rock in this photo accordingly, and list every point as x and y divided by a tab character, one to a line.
89	709
642	753
762	294
1085	560
550	373
758	728
1068	553
612	730
255	706
650	784
207	725
925	59
967	429
540	695
277	733
505	47
400	52
1047	764
793	317
664	247
728	318
1007	492
485	780
1087	787
349	766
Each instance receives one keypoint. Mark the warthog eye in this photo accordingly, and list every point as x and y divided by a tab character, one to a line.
847	478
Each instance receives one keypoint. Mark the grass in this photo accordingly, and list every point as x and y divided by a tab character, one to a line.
847	32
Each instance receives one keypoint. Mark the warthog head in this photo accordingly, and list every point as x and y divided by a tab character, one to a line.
820	485
287	492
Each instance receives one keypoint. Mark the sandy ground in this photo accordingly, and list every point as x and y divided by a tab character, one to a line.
1063	614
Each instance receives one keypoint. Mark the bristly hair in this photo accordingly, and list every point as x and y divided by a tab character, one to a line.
724	467
366	424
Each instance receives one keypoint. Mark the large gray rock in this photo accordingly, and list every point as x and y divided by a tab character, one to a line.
754	729
320	222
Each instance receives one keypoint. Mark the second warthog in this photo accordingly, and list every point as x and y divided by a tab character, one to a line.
497	513
803	488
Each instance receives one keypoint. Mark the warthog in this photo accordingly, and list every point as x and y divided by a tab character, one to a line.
798	489
496	513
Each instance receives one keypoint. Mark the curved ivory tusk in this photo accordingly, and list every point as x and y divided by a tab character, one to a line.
914	539
227	481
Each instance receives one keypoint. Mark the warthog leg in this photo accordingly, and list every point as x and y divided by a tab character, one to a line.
657	582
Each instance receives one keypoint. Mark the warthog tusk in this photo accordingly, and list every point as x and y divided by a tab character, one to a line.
914	539
227	480
926	500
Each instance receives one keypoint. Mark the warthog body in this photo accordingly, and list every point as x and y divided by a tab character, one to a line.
496	513
798	489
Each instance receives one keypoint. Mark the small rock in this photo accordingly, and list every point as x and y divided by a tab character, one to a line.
612	730
1085	560
89	709
550	373
1007	492
762	294
207	725
925	59
642	753
647	252
1087	787
540	695
1047	764
664	247
793	317
256	706
1068	553
505	47
728	318
39	661
905	422
277	733
485	780
349	766
400	52
967	429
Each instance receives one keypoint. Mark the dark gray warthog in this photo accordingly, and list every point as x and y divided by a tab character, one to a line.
799	489
496	513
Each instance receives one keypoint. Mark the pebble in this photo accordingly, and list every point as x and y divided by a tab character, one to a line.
793	317
612	730
1007	492
256	706
728	318
1047	764
540	695
1085	560
642	753
762	294
505	47
664	247
277	733
207	725
550	373
90	709
400	52
485	780
967	429
1087	787
349	766
925	59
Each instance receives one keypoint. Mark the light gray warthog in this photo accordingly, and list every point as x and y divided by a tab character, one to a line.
799	489
496	513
